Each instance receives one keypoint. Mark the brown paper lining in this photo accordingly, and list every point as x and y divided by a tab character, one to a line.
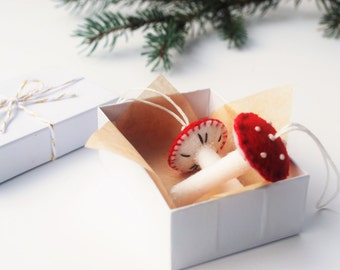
144	133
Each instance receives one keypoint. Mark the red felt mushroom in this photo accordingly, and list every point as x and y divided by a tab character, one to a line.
257	147
265	152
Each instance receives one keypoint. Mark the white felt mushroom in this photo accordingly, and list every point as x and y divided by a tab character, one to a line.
257	147
198	147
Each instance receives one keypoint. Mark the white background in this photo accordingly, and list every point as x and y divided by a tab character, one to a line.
62	216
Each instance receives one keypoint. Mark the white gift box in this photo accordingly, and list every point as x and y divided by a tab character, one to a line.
27	140
221	226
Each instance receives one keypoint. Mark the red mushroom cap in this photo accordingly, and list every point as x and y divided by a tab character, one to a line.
265	153
201	133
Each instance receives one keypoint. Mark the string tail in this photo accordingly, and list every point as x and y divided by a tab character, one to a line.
50	127
329	163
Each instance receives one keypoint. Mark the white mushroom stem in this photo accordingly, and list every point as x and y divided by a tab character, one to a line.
206	157
215	172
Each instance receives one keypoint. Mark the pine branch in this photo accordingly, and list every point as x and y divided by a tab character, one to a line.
109	26
232	29
161	42
330	21
167	23
169	30
87	6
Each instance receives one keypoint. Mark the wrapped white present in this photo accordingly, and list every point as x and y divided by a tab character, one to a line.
43	116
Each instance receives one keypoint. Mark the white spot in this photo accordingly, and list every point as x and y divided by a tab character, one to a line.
271	137
269	122
263	154
282	157
257	129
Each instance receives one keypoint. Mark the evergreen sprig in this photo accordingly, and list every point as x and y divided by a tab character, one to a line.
166	24
331	19
160	42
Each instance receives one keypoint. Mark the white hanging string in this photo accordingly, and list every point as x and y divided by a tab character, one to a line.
184	121
321	203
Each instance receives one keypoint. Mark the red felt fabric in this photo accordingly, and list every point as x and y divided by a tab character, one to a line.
253	138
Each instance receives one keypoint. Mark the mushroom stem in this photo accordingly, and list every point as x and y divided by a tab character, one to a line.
206	156
224	169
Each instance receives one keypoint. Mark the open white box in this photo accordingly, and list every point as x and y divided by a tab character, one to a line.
228	223
27	140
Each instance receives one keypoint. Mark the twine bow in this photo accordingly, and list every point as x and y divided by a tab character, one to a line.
38	94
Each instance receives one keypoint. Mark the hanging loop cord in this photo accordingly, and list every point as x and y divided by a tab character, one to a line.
321	203
184	121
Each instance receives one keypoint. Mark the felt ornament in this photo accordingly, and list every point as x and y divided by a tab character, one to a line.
264	152
258	146
197	145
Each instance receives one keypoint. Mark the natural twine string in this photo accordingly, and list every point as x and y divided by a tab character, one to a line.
38	94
